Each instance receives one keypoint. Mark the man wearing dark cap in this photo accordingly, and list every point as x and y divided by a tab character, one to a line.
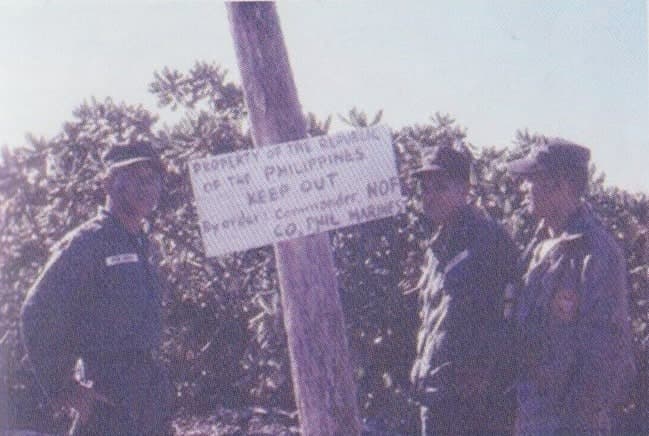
572	317
98	300
463	370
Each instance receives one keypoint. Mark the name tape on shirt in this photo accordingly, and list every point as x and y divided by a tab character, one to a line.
121	258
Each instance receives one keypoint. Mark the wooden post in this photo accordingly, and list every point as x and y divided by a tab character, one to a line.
320	366
4	394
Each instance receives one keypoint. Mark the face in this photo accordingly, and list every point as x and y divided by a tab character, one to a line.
441	195
543	194
137	187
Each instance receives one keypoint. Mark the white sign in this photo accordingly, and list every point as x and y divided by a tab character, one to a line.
260	196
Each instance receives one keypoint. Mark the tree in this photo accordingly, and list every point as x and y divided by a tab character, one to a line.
225	342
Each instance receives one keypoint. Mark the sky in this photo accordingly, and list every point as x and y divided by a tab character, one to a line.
572	68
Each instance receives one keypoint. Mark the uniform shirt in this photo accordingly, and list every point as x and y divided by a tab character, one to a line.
572	315
461	291
97	297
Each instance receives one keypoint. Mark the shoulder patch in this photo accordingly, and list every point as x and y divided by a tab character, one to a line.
565	304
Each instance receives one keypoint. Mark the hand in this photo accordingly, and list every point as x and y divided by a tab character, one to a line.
82	399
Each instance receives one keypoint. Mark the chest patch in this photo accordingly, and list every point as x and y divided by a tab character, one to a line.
121	258
565	303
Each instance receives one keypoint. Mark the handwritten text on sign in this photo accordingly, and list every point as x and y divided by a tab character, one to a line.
259	196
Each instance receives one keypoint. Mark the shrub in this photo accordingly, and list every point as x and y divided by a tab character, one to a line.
224	339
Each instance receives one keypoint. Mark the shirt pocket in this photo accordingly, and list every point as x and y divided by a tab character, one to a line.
121	273
122	293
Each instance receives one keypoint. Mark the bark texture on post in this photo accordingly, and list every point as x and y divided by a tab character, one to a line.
324	389
4	397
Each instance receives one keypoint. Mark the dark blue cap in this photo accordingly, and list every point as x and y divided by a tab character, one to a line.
557	155
119	156
456	164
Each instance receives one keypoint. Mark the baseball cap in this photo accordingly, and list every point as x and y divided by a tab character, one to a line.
119	156
456	164
557	155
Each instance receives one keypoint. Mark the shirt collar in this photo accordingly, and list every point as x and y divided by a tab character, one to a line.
102	212
579	220
455	233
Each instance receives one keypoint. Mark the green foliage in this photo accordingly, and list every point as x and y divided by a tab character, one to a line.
357	118
225	342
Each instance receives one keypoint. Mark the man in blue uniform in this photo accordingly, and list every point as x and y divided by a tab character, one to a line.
572	316
463	369
98	300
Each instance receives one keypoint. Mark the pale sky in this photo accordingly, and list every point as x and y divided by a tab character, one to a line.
572	68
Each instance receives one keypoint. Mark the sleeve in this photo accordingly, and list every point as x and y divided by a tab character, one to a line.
512	269
498	290
497	268
604	358
49	316
471	279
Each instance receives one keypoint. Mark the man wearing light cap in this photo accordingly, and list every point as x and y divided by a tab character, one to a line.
463	367
572	318
99	300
